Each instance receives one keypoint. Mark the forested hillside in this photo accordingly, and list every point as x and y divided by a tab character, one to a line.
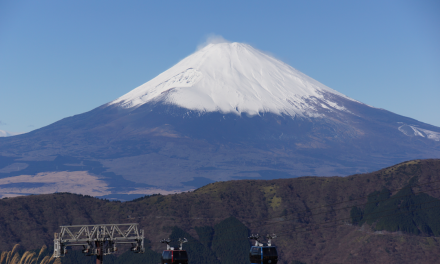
388	216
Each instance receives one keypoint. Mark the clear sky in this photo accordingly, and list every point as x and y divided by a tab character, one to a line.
61	58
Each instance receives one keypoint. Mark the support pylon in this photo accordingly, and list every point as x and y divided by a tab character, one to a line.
100	253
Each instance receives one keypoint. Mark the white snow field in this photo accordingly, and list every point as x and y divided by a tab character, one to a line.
419	132
236	78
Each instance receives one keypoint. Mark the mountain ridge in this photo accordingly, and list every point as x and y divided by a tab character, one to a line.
311	215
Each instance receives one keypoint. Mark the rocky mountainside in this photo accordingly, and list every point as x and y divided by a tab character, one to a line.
388	216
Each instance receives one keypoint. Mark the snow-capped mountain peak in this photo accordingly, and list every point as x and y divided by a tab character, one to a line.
235	78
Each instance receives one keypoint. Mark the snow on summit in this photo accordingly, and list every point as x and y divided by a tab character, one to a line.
235	78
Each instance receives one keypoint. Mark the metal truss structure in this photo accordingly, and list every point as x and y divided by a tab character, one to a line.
168	241
257	239
98	240
269	239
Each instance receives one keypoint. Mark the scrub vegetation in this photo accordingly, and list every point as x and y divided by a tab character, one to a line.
27	257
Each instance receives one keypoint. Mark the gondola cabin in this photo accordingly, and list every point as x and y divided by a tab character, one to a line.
174	257
263	255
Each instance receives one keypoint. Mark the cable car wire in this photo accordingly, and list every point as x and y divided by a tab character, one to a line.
360	198
325	223
393	209
316	208
298	218
372	218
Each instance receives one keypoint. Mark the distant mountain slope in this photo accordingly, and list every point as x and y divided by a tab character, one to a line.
226	112
4	133
311	215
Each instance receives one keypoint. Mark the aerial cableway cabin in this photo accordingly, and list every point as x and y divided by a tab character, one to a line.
174	256
263	255
260	254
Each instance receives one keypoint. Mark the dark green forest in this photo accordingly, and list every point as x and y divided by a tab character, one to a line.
405	211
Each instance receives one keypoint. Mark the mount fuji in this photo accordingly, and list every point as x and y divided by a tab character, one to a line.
228	111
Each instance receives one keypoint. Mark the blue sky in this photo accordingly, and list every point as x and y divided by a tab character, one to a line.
61	58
